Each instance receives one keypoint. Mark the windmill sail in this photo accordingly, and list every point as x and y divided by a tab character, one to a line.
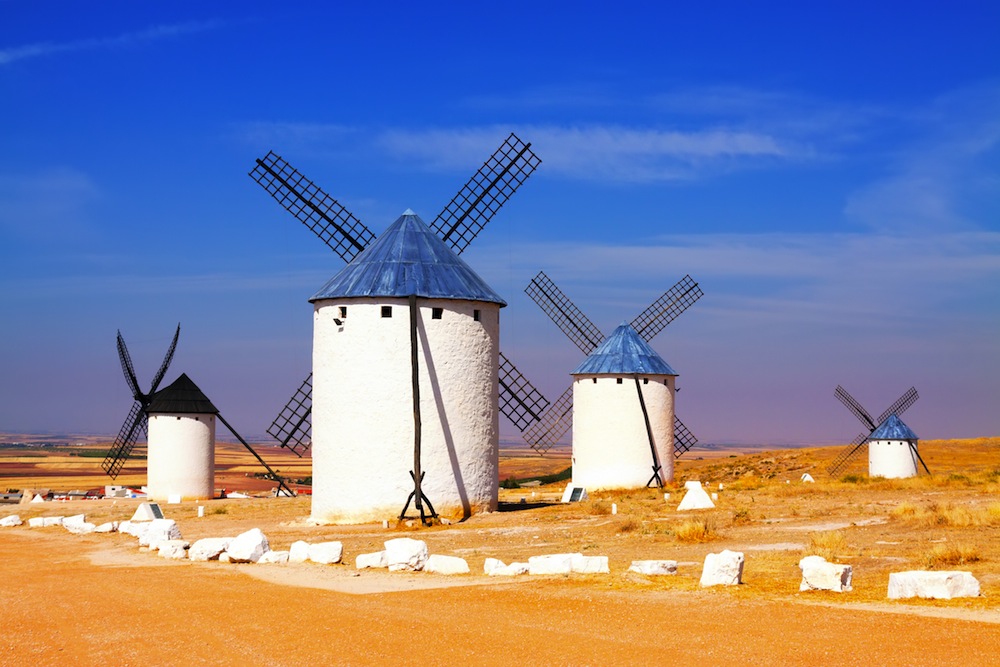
564	313
860	443
292	426
667	308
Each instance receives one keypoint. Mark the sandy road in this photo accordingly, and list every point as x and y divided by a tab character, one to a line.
61	606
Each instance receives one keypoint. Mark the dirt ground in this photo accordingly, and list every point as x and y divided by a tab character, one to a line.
97	599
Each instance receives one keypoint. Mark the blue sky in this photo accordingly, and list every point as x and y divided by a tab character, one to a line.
828	172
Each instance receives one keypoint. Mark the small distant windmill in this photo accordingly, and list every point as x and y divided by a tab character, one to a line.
175	400
859	444
557	419
457	225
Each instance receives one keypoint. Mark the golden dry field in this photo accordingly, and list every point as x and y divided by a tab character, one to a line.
97	599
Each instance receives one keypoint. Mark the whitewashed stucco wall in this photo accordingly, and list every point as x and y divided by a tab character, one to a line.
892	459
610	443
180	458
362	414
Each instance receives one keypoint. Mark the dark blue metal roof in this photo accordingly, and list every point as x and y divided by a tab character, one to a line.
624	352
182	396
893	428
408	258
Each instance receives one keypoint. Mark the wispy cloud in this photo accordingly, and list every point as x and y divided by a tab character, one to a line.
45	204
42	49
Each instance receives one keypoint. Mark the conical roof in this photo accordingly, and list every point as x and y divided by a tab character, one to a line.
182	396
893	428
624	352
408	259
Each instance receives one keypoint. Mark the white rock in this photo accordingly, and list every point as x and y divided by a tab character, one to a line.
725	569
298	552
551	564
377	559
209	548
247	547
653	567
937	585
11	521
174	549
590	564
491	564
275	557
326	553
695	498
144	512
820	575
107	527
157	531
446	565
36	522
405	554
806	477
78	525
224	558
511	570
52	521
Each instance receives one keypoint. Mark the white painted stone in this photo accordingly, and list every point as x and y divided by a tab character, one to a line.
209	548
50	521
180	456
274	557
404	553
78	525
695	498
36	522
725	569
512	570
806	477
173	549
11	521
298	552
653	567
568	492
144	512
174	499
438	564
247	547
225	558
491	564
362	417
38	499
158	531
715	496
552	564
326	553
590	564
820	575
692	484
107	527
936	585
610	441
374	560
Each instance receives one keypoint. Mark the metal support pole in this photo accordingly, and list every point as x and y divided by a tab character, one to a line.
652	442
417	496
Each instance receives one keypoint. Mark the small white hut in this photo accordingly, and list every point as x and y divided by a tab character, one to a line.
180	454
363	412
892	450
623	415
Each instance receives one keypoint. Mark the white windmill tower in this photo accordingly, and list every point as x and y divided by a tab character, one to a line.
405	381
892	450
623	415
180	449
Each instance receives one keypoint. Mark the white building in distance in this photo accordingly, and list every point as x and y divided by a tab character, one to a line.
892	450
180	454
363	417
623	398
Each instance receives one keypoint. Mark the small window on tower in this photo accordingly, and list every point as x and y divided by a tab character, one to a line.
343	311
595	380
475	315
619	380
645	380
386	311
436	313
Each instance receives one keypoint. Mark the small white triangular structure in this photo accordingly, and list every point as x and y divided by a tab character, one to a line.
695	498
574	493
38	498
146	512
806	477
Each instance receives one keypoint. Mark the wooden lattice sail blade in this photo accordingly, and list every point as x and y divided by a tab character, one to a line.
570	319
322	214
856	408
292	427
683	438
485	193
667	308
553	425
127	368
132	428
168	357
901	405
520	402
849	454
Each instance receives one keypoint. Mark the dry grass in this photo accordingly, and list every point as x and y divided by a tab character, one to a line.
828	544
695	532
956	516
944	555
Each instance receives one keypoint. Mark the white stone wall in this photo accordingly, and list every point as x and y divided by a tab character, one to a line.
362	414
180	457
892	459
610	443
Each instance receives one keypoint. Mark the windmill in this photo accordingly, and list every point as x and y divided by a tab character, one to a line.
859	443
458	224
135	422
557	419
176	400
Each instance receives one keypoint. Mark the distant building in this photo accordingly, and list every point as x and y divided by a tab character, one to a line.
892	450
